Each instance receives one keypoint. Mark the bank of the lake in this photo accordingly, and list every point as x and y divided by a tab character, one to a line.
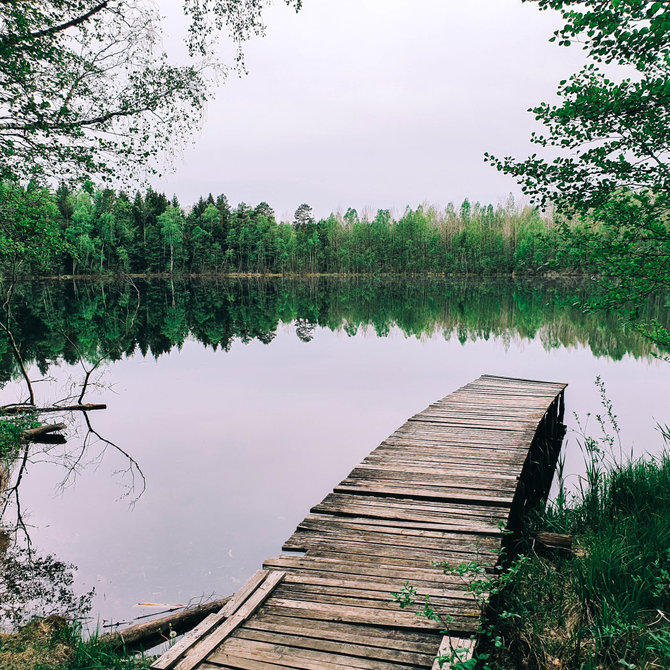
605	602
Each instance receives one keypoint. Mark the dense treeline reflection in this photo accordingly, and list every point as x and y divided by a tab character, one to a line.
70	320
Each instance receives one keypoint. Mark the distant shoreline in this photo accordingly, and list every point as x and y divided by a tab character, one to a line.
553	275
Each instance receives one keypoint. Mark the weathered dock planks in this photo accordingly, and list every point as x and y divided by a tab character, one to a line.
444	486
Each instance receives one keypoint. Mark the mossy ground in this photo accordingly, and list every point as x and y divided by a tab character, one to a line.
54	644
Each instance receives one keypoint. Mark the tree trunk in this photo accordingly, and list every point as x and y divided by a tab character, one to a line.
23	409
32	433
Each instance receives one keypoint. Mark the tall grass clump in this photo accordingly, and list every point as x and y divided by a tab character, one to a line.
605	604
53	643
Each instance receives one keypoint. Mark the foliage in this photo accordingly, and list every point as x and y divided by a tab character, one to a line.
38	645
30	234
10	438
605	606
85	90
92	653
105	232
612	136
54	644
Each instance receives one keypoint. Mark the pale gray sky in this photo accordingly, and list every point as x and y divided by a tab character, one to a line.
375	103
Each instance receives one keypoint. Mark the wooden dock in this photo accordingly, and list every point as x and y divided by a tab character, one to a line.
442	487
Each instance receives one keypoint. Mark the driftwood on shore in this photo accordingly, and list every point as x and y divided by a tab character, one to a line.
151	633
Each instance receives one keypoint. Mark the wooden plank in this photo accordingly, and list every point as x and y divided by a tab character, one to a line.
355	527
539	382
385	550
391	466
295	657
457	649
523	419
231	662
468	424
402	559
468	524
368	598
427	493
388	638
447	603
368	586
361	615
439	488
448	479
188	640
242	594
369	566
454	527
344	501
485	446
206	645
429	447
432	577
360	647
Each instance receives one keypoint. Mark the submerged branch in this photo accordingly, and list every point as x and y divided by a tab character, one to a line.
151	633
29	409
32	433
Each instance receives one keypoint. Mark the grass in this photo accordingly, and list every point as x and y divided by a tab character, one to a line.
54	644
607	605
10	435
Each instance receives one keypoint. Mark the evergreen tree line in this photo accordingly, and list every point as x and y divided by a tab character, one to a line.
105	232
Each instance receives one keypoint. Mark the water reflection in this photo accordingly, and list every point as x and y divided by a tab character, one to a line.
91	322
237	439
36	585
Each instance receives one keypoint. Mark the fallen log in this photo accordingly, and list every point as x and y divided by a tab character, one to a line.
51	438
28	409
149	634
547	543
34	433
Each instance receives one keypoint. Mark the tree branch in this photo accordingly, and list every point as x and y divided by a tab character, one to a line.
53	30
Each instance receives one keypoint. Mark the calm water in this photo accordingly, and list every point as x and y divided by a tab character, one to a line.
244	403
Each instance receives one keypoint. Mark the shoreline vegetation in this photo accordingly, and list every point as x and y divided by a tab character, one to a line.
102	232
604	603
596	596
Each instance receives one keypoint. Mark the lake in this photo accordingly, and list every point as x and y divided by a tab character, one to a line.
234	406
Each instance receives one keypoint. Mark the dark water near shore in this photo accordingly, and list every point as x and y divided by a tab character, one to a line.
235	406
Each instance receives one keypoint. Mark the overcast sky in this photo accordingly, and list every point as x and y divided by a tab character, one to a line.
375	104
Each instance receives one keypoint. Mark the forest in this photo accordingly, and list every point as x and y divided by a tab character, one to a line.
103	232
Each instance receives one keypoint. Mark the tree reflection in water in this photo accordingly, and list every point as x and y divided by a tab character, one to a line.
90	324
